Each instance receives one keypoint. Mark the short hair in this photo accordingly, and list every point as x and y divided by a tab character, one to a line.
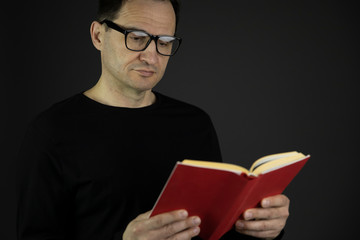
108	9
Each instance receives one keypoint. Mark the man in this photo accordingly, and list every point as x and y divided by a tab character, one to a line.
92	166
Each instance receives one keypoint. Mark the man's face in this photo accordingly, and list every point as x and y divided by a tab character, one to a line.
137	71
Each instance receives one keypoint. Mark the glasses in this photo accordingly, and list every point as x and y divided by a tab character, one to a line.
137	40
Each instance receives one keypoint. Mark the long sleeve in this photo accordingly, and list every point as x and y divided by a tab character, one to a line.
42	205
77	167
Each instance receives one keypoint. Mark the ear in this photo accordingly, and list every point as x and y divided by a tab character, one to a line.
96	32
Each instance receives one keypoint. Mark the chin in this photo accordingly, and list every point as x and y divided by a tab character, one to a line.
145	84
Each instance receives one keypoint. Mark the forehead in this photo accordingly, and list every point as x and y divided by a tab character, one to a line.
155	17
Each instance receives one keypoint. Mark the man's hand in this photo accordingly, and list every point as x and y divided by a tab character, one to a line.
267	221
172	225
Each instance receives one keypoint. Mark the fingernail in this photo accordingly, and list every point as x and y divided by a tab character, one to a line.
239	224
183	213
196	230
266	203
196	220
248	215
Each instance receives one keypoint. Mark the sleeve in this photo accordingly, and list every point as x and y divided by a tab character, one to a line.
209	143
216	152
198	139
42	200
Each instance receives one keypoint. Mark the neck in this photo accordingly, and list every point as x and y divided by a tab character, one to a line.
118	97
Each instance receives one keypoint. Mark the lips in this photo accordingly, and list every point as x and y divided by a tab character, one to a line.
145	72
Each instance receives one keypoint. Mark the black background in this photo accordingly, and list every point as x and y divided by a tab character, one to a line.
274	76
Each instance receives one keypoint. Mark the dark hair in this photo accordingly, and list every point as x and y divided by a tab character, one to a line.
108	9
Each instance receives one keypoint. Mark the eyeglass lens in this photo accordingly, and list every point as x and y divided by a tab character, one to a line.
138	41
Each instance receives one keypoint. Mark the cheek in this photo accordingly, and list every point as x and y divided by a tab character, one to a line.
109	55
118	58
163	63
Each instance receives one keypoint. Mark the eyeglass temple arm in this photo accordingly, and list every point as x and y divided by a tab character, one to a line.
113	26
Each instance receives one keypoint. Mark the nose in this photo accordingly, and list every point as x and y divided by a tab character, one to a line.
150	55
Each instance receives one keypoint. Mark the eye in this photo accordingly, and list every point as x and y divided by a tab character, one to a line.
138	36
166	41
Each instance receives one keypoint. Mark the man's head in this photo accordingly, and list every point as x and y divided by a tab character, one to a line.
109	9
123	69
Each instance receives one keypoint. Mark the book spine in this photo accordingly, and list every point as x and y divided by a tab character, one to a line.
162	191
246	185
257	188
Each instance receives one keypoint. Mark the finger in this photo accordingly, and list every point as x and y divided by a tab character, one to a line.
143	216
186	235
164	219
275	201
266	213
261	234
179	227
260	225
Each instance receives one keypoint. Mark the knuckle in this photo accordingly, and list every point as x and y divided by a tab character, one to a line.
136	230
185	235
275	213
286	200
269	213
286	213
274	234
280	225
169	229
176	237
259	234
159	221
262	226
283	213
149	235
266	235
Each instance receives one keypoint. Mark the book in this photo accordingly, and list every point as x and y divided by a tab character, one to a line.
220	192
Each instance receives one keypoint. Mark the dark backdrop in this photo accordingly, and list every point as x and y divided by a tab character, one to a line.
274	76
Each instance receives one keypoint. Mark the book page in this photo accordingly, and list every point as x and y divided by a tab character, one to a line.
271	157
276	164
216	165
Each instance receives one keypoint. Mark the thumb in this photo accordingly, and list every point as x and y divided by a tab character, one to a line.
144	216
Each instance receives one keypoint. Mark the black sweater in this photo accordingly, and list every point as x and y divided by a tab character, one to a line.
86	170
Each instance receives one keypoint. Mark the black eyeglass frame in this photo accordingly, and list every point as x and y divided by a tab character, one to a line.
116	27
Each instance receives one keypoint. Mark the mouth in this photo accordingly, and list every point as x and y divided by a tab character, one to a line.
145	72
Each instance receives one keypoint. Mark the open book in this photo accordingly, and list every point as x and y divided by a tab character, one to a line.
220	192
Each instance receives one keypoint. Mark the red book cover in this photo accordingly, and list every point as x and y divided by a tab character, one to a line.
218	196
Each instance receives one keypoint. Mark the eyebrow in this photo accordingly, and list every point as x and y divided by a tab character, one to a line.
142	30
133	28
